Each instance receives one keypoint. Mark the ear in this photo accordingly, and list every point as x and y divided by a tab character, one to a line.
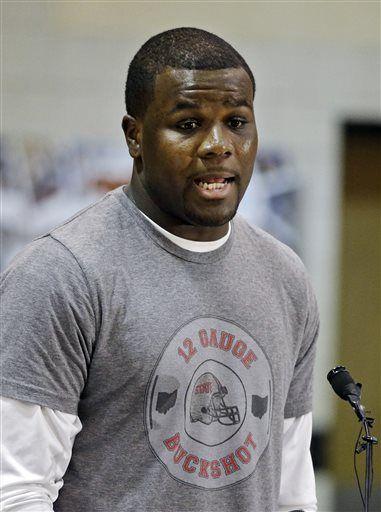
132	132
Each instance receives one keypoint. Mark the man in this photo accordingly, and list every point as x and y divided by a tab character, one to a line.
178	339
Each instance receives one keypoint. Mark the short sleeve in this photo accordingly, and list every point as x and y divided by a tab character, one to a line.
48	327
299	397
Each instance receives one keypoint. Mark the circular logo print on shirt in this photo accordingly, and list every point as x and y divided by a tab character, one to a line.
208	404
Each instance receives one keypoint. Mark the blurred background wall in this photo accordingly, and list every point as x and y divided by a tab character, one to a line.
317	67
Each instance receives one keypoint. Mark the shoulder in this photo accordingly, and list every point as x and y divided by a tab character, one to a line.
94	225
87	239
43	266
42	256
71	254
269	252
277	270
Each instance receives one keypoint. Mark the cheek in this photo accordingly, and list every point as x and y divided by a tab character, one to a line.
249	147
247	151
173	152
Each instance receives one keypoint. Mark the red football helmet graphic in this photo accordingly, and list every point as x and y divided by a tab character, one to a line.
208	415
208	403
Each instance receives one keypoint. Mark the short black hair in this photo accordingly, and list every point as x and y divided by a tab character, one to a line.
179	48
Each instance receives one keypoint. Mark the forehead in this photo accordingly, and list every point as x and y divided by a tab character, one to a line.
218	86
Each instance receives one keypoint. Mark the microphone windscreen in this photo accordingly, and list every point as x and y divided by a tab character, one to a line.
342	383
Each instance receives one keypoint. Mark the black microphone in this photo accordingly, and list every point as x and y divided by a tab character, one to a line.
346	388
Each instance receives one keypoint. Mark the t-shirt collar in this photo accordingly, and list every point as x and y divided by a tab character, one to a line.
167	242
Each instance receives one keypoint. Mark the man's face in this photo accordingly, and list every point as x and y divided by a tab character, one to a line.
198	144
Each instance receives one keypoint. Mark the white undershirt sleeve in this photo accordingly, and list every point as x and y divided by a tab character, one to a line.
297	485
36	446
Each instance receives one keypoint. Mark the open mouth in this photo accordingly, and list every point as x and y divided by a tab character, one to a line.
213	183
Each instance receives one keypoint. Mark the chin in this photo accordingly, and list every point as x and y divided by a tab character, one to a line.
219	217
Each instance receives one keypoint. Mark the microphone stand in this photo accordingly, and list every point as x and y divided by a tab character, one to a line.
369	442
346	388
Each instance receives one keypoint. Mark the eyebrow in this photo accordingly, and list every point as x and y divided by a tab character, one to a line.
239	102
187	104
184	105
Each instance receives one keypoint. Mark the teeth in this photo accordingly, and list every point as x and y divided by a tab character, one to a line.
212	186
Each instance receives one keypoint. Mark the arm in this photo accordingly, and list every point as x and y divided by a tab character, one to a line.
48	332
48	327
36	449
297	485
297	488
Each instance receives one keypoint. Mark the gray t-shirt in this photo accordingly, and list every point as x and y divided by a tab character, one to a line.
181	366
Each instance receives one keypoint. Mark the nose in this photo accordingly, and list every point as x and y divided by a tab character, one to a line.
215	144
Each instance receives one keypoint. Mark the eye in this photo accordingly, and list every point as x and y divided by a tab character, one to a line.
188	125
237	122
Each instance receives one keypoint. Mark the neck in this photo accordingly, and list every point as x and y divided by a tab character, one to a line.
138	194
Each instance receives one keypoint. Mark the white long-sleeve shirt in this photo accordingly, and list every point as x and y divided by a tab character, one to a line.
37	444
